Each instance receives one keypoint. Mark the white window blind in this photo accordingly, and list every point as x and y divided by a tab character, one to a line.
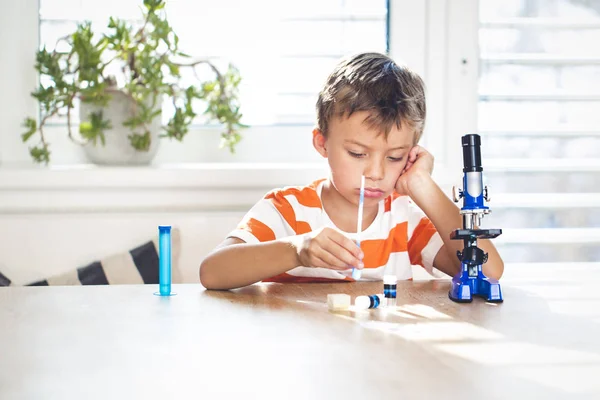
539	115
540	78
283	49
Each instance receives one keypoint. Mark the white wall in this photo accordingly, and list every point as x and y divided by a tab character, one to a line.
18	42
55	220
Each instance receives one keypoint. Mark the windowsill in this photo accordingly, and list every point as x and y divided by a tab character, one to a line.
172	176
167	176
186	187
200	187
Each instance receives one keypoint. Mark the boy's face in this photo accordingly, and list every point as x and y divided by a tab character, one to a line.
354	149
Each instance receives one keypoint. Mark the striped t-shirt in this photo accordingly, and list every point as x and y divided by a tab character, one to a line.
400	236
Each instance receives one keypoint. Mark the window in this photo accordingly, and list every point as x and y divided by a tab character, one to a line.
284	50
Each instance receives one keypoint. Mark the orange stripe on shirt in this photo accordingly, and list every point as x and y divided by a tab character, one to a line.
261	231
420	237
387	205
287	212
306	196
377	252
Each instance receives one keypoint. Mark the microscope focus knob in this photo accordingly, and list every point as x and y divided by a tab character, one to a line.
457	194
486	194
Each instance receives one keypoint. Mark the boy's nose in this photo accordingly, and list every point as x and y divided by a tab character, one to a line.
375	170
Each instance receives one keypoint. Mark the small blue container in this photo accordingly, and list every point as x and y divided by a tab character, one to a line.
164	261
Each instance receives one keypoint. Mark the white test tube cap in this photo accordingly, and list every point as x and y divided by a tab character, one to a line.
390	280
362	302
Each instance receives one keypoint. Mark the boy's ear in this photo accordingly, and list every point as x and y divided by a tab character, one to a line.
320	142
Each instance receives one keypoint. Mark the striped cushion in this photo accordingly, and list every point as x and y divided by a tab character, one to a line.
136	266
4	281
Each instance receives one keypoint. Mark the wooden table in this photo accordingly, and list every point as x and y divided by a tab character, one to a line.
280	341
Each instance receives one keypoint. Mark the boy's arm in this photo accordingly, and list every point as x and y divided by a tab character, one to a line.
267	244
260	247
445	216
416	181
235	263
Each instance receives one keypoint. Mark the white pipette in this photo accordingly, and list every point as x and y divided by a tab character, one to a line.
356	273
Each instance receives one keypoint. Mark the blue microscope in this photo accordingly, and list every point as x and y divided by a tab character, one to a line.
471	281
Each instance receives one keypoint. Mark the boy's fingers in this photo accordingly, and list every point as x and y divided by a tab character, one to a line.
411	155
346	256
316	262
347	244
331	255
330	261
414	154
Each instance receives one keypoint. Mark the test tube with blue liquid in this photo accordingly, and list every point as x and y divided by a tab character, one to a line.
164	261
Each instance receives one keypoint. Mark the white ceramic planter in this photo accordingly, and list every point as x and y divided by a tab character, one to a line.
118	149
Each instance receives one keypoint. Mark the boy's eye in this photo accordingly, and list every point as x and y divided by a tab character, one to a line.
357	155
395	159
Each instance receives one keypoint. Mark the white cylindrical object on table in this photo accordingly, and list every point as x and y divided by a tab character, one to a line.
366	302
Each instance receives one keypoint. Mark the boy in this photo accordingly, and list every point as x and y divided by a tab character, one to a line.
371	115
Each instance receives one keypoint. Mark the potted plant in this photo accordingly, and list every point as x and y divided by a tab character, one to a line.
120	79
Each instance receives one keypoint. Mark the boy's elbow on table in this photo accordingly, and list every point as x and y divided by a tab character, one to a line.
497	271
207	278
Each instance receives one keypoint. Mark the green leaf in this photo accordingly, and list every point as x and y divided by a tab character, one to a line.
174	69
40	154
93	129
31	125
140	142
153	5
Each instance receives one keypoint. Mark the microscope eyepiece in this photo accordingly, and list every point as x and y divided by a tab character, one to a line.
471	145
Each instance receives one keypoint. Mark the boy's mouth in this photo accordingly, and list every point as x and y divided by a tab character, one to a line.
373	193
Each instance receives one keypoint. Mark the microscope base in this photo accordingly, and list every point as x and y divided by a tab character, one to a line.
465	287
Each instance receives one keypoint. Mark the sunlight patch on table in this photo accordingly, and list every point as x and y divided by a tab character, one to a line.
422	310
575	379
435	331
516	353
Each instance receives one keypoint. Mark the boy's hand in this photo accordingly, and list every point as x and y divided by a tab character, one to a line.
419	164
328	248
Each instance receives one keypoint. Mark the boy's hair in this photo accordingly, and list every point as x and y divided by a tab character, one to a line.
373	82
